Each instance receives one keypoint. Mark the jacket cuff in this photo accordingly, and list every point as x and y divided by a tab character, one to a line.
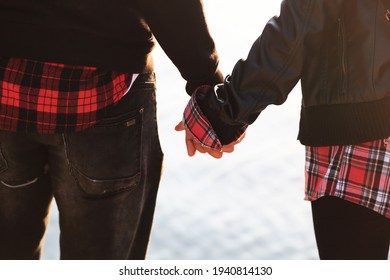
210	80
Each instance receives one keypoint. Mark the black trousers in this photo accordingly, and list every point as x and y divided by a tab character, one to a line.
347	231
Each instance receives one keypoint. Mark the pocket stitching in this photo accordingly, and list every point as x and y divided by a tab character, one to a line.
134	178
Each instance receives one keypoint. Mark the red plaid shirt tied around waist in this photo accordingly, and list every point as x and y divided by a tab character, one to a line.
46	98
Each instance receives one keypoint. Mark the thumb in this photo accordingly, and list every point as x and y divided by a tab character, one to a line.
180	126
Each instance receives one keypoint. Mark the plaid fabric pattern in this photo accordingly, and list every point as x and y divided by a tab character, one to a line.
357	173
199	126
195	121
41	97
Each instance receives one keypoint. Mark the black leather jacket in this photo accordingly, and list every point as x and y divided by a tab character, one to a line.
338	49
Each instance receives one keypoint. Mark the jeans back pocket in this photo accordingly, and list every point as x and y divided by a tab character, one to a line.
105	159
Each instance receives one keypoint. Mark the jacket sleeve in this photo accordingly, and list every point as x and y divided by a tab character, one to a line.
181	30
273	67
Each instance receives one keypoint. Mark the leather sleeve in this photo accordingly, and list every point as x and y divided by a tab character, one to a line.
273	67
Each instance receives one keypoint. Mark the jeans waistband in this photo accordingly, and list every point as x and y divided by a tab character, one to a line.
145	78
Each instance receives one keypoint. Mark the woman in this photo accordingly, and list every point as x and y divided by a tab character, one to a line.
339	52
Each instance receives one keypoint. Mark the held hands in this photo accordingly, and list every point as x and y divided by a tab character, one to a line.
193	144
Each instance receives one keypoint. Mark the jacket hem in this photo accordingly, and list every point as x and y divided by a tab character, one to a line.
345	124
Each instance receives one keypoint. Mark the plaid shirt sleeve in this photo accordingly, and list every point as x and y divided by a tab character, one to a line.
197	123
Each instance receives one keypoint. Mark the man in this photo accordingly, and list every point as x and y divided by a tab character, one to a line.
339	52
78	120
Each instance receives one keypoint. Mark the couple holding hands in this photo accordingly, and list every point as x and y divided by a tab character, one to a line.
78	117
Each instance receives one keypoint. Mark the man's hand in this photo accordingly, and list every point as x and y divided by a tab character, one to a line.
193	144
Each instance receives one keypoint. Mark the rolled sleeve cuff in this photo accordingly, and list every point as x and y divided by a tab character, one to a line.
196	122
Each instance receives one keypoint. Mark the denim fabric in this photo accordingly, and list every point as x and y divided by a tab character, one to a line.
104	180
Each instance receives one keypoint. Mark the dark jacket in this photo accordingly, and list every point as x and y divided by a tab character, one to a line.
112	34
338	49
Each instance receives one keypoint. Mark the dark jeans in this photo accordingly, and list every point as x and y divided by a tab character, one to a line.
104	180
347	231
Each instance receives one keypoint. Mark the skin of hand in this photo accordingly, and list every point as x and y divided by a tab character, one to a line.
193	144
